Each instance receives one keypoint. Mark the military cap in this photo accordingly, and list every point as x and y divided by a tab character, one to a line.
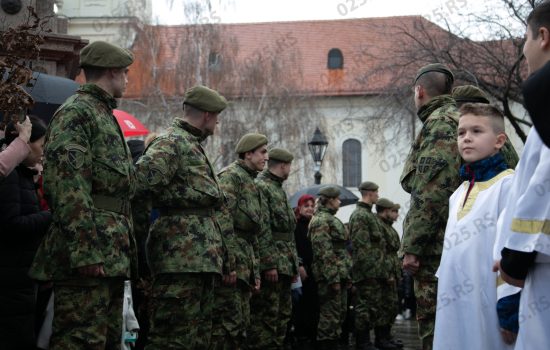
469	93
204	99
250	142
434	67
281	154
104	55
329	191
385	203
396	206
368	186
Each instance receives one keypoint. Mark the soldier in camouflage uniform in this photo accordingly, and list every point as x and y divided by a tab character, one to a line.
430	175
185	247
385	213
473	94
89	180
331	266
270	310
244	217
370	269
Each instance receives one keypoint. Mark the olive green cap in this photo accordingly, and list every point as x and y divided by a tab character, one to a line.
280	154
105	55
384	203
329	191
368	186
205	99
396	206
469	93
250	142
435	67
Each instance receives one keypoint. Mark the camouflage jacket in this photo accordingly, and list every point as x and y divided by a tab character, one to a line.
431	175
392	247
280	225
244	217
369	244
510	155
328	236
88	180
182	184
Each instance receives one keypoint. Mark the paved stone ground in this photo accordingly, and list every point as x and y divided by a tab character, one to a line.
407	331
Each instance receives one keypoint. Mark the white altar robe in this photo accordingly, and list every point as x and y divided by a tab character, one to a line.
466	316
526	228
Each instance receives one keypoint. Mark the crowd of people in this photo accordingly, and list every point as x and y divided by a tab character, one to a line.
219	259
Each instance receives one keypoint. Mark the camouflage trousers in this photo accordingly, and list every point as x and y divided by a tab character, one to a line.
181	315
371	303
390	302
232	317
270	313
87	314
332	313
425	289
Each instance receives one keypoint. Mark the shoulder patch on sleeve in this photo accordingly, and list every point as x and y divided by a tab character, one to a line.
75	155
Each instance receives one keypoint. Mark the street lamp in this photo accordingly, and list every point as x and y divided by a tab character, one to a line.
317	147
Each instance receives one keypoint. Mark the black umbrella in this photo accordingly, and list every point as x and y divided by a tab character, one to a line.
48	93
346	196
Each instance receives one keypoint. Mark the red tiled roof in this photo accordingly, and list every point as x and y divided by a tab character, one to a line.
301	47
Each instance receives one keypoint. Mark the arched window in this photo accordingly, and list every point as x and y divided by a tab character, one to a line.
351	163
335	59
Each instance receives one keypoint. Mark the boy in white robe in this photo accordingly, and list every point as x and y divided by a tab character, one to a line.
466	316
526	226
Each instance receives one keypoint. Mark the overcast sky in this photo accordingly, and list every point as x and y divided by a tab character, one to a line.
239	11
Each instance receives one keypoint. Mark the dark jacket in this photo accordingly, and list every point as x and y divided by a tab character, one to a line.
22	226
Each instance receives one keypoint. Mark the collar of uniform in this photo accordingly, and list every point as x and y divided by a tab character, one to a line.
100	94
243	165
269	175
324	209
189	128
365	205
437	102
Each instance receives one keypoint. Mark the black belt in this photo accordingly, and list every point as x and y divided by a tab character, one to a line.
339	244
205	212
117	205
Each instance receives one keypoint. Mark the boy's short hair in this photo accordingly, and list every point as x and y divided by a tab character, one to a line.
485	110
539	17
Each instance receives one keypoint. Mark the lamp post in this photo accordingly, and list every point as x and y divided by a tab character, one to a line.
317	147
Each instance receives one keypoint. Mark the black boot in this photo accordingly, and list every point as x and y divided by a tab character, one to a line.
382	342
362	340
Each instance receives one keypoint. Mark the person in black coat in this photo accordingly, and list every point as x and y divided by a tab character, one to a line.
305	311
22	226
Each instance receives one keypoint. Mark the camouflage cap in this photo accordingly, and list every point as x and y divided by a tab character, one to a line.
385	203
329	191
434	67
105	55
281	154
205	99
250	142
469	93
368	186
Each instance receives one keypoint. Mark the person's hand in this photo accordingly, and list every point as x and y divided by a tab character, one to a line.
411	263
506	278
508	336
230	279
24	129
302	272
271	275
257	286
95	270
335	287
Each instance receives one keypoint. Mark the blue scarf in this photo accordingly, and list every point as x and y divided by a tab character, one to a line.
484	169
